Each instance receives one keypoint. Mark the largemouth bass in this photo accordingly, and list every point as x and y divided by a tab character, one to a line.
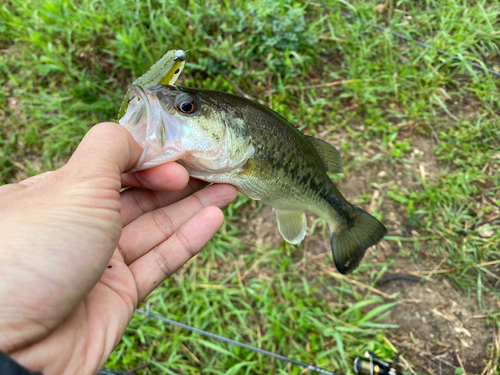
224	138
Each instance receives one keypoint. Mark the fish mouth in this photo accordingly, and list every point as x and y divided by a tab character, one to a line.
153	127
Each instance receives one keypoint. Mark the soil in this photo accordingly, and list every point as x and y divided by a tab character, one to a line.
440	328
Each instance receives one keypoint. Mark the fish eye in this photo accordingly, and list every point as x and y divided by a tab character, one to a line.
186	104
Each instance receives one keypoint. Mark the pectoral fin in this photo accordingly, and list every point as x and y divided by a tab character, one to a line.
291	224
329	154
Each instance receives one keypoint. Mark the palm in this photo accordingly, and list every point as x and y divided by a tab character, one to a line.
90	254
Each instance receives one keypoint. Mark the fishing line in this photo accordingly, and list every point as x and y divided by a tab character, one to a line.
233	342
229	341
406	38
369	365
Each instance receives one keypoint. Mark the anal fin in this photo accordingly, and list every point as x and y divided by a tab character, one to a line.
291	224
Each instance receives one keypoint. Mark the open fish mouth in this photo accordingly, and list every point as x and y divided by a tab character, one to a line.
153	127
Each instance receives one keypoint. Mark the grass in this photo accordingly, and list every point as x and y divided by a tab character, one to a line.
65	65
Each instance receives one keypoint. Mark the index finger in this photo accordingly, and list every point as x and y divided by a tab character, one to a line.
165	177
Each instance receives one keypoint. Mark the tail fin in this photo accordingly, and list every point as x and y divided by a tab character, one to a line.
349	245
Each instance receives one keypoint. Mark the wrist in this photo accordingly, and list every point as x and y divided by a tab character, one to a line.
20	319
10	367
15	336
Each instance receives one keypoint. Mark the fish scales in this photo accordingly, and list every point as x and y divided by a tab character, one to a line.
294	172
224	138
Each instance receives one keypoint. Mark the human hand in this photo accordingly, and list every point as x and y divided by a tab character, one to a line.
76	255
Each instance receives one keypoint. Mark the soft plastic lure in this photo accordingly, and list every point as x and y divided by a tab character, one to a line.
164	72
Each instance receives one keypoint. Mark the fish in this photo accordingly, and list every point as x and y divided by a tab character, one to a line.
224	138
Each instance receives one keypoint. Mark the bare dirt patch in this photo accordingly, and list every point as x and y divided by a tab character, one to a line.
439	326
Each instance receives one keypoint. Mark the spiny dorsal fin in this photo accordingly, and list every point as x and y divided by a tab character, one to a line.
329	154
291	224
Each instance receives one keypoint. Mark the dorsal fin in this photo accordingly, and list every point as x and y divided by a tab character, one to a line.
329	154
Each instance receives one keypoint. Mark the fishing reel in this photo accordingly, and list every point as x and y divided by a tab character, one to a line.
373	365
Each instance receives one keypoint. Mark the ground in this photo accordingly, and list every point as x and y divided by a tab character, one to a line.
419	135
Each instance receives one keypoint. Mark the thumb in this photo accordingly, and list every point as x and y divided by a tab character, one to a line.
108	149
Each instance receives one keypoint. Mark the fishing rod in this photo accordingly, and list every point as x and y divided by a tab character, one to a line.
370	364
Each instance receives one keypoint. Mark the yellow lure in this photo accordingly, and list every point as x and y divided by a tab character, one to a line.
164	72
